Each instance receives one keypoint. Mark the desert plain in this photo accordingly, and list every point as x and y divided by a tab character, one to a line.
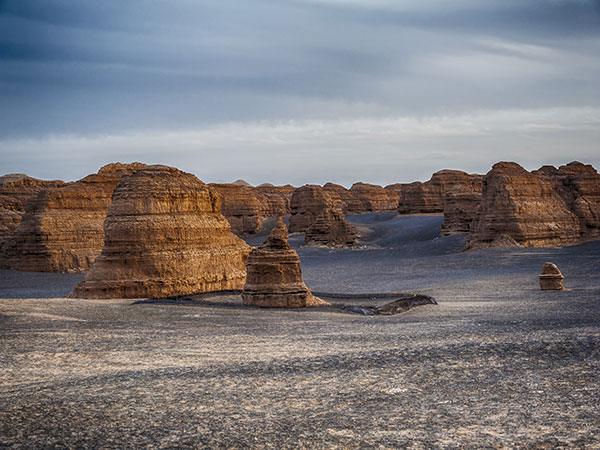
497	363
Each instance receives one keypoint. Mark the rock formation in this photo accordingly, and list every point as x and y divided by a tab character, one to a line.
551	278
307	204
352	202
460	209
429	197
15	191
331	229
243	206
277	197
376	198
164	236
62	228
518	206
274	277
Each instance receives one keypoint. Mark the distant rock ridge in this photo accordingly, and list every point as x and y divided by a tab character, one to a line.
331	229
164	236
274	276
376	198
62	228
460	210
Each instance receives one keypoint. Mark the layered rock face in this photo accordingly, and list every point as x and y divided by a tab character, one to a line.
429	197
376	198
15	191
579	186
352	202
243	206
164	236
460	209
62	228
307	204
551	279
278	199
274	277
331	229
520	207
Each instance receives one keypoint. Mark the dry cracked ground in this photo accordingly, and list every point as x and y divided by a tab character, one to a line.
496	364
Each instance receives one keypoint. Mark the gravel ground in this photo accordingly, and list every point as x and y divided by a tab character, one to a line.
497	363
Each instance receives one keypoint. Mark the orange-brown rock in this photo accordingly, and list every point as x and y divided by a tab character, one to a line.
460	209
551	279
307	204
62	228
331	229
376	198
164	236
579	186
278	198
243	206
352	201
519	206
274	277
429	197
15	191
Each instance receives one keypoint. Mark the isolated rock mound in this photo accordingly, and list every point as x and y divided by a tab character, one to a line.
551	279
62	228
274	276
331	229
524	208
307	203
15	191
164	236
460	209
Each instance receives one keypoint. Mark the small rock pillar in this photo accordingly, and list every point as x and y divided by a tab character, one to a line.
551	278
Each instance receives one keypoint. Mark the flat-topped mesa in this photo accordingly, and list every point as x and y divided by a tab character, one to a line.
307	203
429	197
62	228
352	202
579	186
274	276
460	210
520	207
376	198
330	229
15	191
243	206
164	236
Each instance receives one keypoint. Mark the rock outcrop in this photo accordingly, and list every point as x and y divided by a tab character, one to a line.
15	191
551	279
164	236
352	202
307	204
243	206
331	229
460	209
62	228
277	199
376	198
518	206
429	197
274	277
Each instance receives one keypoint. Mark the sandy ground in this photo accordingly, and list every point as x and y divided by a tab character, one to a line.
496	364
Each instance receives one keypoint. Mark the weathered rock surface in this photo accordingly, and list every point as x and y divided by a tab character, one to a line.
243	206
429	197
62	228
519	206
278	198
551	279
352	202
307	203
331	229
15	191
460	209
579	186
376	198
164	236
274	277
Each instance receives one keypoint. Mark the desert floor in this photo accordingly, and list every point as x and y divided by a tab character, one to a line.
497	363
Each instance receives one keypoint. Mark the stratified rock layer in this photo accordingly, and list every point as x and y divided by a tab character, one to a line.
15	191
331	229
375	198
551	279
307	203
274	277
520	207
164	236
460	209
62	228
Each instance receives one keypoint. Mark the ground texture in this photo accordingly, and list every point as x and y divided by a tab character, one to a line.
497	363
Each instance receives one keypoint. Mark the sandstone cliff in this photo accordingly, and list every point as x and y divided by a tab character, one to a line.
520	207
15	191
460	210
307	204
376	198
331	229
164	236
243	206
61	230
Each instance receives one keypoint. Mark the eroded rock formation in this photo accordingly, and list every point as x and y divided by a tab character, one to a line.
164	236
277	199
520	207
274	277
243	206
551	279
307	204
375	198
460	209
62	228
15	191
331	229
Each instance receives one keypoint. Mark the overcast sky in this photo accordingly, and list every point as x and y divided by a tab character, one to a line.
299	91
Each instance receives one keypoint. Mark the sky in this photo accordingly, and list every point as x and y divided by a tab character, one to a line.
298	91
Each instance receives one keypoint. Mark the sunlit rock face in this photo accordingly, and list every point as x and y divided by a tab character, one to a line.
165	236
331	229
62	228
274	275
307	203
520	208
551	279
15	191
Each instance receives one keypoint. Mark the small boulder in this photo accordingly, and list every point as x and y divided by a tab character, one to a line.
551	278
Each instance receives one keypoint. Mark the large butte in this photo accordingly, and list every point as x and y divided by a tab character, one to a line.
274	277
